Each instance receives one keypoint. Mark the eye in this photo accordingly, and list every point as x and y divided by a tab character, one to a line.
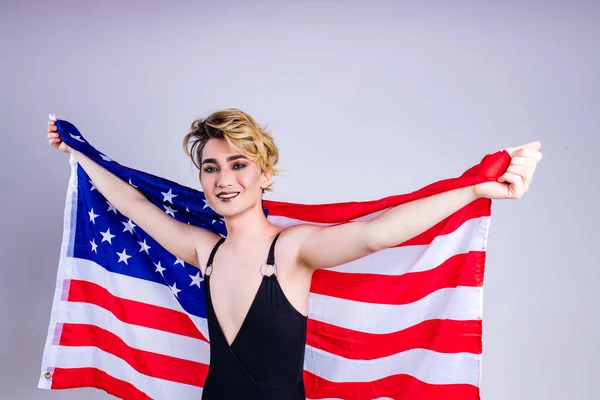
208	169
240	165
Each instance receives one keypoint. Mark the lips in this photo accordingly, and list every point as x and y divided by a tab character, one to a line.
227	196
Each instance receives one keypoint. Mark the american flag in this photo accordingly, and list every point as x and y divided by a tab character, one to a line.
129	318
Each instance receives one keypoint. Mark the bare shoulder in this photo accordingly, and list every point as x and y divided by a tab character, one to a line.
295	235
291	239
204	244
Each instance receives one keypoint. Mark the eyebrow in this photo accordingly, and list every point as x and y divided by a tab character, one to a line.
230	158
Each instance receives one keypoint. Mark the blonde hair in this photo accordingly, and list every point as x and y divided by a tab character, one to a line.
240	131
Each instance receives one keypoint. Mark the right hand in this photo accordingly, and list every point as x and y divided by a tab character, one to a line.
54	139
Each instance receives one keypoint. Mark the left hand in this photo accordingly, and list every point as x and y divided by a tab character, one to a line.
516	180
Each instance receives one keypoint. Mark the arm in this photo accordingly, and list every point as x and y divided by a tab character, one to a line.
325	247
182	240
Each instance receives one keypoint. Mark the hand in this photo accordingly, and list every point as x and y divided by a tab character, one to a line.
54	139
516	180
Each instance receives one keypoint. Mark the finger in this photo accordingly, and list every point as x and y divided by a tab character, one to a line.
525	161
526	172
536	155
517	188
536	145
511	178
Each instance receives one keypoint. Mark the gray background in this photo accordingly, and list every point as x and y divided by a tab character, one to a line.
365	100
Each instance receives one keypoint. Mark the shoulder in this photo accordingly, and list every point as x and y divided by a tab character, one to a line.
296	234
291	239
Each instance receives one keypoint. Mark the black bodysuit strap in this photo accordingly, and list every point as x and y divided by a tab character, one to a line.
271	257
212	256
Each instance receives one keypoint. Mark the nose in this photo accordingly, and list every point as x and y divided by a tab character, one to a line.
224	178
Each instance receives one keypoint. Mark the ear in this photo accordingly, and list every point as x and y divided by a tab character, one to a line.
266	179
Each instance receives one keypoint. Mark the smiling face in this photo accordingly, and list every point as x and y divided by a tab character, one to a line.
231	182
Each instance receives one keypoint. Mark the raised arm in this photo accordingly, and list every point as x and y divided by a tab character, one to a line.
184	241
325	247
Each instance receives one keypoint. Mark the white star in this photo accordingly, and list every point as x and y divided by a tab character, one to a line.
170	210
93	216
94	246
196	279
205	204
111	207
106	236
144	247
93	186
213	221
131	183
123	257
77	137
168	196
179	261
129	226
174	289
105	158
187	209
159	268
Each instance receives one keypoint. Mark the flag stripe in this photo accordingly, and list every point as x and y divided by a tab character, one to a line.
140	337
334	213
391	387
442	336
460	270
155	388
134	312
130	288
461	303
69	378
426	365
470	236
146	362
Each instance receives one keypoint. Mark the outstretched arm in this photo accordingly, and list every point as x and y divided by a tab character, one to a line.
325	247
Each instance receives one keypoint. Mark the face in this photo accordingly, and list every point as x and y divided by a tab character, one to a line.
226	172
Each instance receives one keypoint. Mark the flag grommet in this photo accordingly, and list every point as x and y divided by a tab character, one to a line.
47	375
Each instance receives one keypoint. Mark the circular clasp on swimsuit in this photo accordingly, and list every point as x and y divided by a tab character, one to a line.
208	270
268	269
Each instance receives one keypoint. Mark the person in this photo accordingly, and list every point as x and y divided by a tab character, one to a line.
257	337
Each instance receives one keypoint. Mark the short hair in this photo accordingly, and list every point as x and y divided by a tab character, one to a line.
240	131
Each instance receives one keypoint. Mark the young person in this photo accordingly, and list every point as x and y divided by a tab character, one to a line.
257	336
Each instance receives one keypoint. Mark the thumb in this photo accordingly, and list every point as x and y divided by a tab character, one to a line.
535	145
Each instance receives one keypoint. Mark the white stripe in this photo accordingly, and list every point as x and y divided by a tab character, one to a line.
130	288
426	365
139	337
83	357
470	236
461	303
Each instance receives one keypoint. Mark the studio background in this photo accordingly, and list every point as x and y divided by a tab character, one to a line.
365	100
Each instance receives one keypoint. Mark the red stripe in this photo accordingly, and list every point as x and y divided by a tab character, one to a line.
146	362
460	270
134	312
442	336
477	209
491	167
335	213
395	387
69	378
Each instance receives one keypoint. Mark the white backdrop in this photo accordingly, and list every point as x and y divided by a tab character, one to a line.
365	100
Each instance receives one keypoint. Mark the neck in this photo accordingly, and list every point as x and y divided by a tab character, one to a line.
248	227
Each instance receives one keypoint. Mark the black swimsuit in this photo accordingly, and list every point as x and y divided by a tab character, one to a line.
266	358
